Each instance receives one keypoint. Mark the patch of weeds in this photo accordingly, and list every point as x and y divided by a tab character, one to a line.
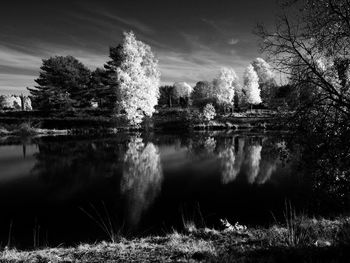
298	231
105	221
192	224
191	247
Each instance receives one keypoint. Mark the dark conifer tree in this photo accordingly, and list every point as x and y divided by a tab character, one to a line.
166	96
103	92
110	76
62	84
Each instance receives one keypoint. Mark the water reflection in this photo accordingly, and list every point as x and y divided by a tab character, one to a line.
142	178
253	162
67	167
210	145
266	171
255	159
15	161
231	160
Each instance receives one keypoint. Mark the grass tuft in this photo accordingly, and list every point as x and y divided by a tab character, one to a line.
105	222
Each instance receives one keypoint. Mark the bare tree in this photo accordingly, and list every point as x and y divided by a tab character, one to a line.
312	50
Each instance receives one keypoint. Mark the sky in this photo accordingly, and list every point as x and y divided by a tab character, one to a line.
192	39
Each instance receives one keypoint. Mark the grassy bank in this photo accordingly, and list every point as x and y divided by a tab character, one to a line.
300	240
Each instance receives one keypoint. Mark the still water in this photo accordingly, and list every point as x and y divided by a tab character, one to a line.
57	190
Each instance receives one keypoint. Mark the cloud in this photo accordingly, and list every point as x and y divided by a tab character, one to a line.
131	23
16	59
109	27
233	41
96	13
200	62
195	66
19	69
214	25
15	84
187	57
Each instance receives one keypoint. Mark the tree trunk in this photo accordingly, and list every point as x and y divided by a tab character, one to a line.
22	102
170	104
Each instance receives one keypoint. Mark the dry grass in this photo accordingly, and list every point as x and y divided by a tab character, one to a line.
208	245
189	247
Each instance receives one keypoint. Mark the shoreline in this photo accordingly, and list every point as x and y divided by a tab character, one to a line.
34	132
165	120
306	240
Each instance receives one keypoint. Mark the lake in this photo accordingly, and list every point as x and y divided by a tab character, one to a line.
63	189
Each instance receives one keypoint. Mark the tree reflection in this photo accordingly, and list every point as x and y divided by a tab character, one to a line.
254	158
273	154
142	178
266	170
210	145
253	162
202	146
231	160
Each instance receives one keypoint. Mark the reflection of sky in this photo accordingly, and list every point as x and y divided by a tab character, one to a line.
16	161
173	157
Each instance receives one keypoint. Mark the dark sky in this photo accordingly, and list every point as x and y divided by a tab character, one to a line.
191	38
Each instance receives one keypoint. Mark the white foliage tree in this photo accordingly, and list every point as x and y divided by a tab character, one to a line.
263	69
182	90
224	86
27	104
138	78
266	77
251	86
209	112
12	102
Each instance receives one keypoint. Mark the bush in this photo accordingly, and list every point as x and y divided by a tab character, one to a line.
209	112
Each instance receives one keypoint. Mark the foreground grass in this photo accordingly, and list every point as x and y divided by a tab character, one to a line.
312	241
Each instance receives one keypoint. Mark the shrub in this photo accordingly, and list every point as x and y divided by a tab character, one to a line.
209	112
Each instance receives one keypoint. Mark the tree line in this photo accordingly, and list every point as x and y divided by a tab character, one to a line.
225	91
129	83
